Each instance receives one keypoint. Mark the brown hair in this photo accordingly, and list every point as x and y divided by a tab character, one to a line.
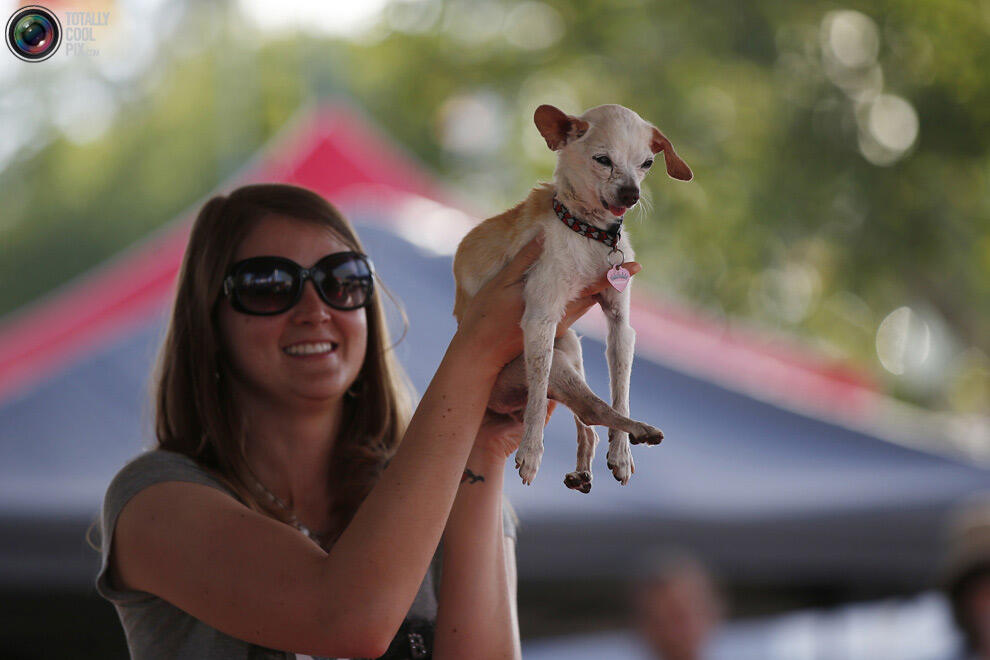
196	416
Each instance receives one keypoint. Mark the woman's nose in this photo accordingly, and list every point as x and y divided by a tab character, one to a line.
310	307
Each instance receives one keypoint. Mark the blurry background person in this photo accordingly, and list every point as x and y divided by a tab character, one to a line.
967	576
677	608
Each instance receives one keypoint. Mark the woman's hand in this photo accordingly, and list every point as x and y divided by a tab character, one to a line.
500	435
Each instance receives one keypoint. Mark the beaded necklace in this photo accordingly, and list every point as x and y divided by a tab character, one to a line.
319	539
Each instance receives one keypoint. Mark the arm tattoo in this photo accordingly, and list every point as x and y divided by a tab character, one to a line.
472	476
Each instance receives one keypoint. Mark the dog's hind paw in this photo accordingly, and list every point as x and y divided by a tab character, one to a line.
578	480
649	436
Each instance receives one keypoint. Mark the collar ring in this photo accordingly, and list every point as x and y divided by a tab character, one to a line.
622	256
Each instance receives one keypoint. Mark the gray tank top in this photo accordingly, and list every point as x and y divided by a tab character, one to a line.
156	629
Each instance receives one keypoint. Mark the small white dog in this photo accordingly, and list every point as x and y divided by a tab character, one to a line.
603	156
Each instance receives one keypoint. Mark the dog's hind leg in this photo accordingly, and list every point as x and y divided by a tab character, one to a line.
568	387
587	439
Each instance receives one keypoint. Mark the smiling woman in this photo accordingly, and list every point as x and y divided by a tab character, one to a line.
292	506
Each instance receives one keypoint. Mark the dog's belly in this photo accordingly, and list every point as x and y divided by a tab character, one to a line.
511	403
509	394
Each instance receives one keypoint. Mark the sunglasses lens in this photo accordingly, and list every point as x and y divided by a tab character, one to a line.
345	284
265	289
272	285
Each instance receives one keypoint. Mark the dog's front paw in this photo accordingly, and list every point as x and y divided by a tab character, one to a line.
619	459
530	453
528	463
578	480
649	436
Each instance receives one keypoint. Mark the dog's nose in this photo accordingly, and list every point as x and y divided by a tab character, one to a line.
628	195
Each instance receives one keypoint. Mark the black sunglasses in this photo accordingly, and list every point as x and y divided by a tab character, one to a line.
264	286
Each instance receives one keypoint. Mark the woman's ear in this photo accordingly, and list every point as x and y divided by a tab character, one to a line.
676	168
558	128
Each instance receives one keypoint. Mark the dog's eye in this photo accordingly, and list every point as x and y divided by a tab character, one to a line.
647	164
604	160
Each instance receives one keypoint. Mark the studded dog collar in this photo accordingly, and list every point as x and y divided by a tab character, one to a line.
609	238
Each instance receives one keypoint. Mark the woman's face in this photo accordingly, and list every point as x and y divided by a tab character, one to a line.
255	346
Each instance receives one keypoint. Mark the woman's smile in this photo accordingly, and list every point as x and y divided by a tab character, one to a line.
311	349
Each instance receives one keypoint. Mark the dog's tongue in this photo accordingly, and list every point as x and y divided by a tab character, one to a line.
617	211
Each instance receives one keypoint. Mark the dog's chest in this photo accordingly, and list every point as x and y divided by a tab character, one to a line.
578	259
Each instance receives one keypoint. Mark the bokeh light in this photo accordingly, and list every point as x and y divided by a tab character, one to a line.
86	109
891	124
318	16
888	124
533	26
413	16
903	341
851	38
787	293
475	22
472	124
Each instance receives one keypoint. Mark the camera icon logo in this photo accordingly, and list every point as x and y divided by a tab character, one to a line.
33	33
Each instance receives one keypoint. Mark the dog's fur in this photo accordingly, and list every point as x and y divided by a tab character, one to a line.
597	194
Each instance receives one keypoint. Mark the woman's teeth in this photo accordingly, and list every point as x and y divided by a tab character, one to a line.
310	349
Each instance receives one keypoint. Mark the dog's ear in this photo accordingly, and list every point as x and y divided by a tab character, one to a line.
676	167
558	128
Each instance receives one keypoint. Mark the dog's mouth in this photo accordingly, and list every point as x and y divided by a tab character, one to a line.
617	211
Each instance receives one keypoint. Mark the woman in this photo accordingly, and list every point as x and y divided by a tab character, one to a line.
266	519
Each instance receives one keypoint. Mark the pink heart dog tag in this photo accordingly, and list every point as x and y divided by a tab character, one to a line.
618	277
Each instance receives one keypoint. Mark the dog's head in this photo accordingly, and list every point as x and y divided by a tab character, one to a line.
603	156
